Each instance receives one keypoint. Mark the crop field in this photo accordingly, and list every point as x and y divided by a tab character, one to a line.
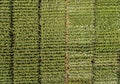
59	41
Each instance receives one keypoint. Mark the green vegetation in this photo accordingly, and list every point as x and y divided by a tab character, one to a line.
39	54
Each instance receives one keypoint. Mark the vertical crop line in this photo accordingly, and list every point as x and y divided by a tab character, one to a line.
11	42
118	72
94	43
66	42
39	42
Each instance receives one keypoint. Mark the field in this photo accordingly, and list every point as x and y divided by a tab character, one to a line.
59	42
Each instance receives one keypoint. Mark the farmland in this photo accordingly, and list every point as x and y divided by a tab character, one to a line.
53	41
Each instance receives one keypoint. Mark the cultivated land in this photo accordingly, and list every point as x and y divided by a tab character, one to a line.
33	41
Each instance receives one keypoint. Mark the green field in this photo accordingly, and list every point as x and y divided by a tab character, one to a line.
33	41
